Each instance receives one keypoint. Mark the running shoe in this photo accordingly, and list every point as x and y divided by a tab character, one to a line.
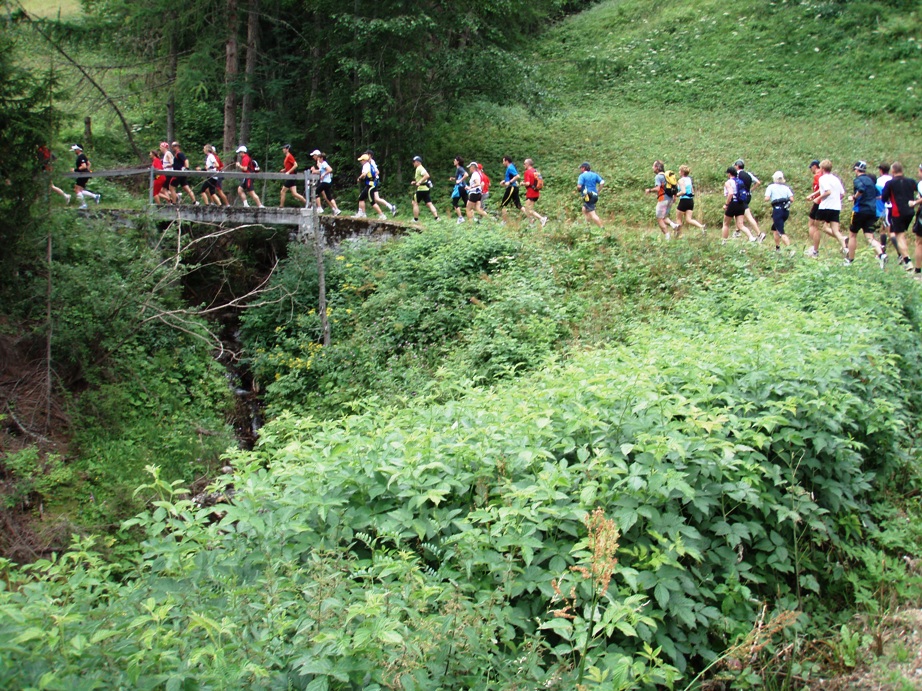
847	262
98	197
812	253
737	234
360	214
845	250
460	220
883	260
393	210
336	212
66	198
82	206
760	238
544	221
382	217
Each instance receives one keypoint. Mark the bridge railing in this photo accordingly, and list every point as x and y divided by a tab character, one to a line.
309	179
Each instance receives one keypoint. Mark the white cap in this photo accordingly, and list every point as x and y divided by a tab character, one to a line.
241	149
76	147
778	176
316	152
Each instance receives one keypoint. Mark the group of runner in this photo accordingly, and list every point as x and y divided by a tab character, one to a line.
887	200
891	201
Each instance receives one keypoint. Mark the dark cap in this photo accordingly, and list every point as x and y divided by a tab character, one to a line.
860	166
418	158
814	162
286	146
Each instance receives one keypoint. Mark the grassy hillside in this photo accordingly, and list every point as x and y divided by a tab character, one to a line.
778	84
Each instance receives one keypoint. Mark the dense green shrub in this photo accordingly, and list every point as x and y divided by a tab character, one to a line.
465	298
431	547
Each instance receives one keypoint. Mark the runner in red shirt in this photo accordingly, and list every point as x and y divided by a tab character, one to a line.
532	193
289	166
157	164
246	185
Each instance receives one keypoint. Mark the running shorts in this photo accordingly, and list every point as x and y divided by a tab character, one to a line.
686	204
863	221
81	182
459	197
511	196
779	216
813	210
662	207
900	224
158	184
827	215
325	188
210	186
423	197
365	194
474	197
246	184
735	209
290	184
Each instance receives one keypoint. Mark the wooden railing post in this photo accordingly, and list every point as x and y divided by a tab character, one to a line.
151	187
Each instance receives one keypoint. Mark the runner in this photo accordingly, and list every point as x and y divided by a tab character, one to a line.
780	196
864	214
82	165
533	184
325	186
367	180
166	157
900	193
180	162
247	164
663	199
160	195
828	197
376	196
749	182
484	186
511	183
219	181
883	208
475	192
734	209
459	192
588	186
816	227
686	207
423	183
289	166
917	227
209	188
46	160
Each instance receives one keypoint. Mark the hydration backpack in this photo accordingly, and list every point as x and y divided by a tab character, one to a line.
539	181
742	194
671	188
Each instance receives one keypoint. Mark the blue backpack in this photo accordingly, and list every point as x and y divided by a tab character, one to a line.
742	194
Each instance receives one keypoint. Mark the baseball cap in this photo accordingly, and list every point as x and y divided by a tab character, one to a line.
241	149
286	146
164	145
175	144
364	157
315	152
418	158
814	162
76	147
860	166
472	164
585	166
739	163
778	176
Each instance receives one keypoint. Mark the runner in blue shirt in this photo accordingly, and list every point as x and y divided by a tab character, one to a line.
511	183
459	192
864	214
588	186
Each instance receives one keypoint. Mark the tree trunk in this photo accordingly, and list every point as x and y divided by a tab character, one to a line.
230	80
172	68
249	92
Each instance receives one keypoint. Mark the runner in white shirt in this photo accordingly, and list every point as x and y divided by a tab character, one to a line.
829	198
